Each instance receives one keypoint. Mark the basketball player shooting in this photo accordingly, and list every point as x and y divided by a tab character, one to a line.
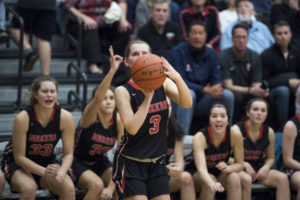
144	114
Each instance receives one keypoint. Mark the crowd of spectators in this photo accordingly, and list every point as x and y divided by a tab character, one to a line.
256	43
252	44
227	51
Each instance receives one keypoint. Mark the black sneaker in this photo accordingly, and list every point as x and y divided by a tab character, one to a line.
3	36
30	60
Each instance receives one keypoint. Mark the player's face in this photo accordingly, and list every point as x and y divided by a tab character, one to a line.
136	51
108	103
240	39
257	112
160	14
197	36
47	94
218	119
283	36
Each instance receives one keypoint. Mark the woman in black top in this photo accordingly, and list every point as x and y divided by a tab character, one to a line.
212	147
99	128
29	162
259	142
139	167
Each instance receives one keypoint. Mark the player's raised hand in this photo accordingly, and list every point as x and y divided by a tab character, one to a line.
169	70
115	60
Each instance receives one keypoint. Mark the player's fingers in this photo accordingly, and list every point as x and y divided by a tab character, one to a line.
111	50
118	58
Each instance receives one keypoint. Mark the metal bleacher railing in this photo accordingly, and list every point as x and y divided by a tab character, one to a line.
17	104
80	78
75	41
19	80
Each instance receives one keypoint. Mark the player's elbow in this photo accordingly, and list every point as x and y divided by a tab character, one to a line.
286	161
131	130
18	160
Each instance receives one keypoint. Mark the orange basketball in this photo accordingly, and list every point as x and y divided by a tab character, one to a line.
148	72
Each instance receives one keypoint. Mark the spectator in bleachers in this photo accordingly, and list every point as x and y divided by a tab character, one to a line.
281	72
131	6
60	19
160	33
288	11
241	71
3	34
100	30
143	13
259	153
178	6
228	16
98	129
260	37
291	152
208	163
199	68
179	180
198	11
262	10
39	20
29	161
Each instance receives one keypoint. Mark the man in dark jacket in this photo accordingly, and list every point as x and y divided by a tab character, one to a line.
281	72
288	11
159	32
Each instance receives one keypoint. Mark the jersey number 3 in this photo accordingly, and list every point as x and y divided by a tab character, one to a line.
155	119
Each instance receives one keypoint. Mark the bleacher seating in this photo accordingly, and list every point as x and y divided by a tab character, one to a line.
62	55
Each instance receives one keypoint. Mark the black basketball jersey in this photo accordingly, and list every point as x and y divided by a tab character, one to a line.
255	153
214	154
296	120
42	140
150	140
95	140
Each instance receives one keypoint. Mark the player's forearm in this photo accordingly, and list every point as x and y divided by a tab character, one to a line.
185	97
66	162
269	162
134	123
30	166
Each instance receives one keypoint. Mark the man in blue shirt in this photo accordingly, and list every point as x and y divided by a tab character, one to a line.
199	67
260	37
